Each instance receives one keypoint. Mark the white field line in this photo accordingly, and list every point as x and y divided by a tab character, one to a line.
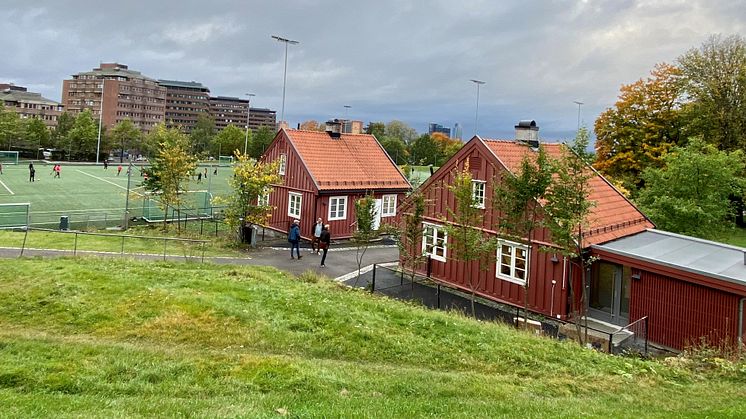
109	182
6	187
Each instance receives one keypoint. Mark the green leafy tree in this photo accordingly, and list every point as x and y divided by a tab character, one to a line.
171	168
467	242
250	181
408	235
517	199
65	123
715	76
36	134
125	136
567	207
230	139
690	195
83	137
365	215
424	150
376	129
260	140
402	131
395	148
642	126
446	147
11	128
202	133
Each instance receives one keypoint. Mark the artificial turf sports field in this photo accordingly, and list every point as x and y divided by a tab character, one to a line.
87	193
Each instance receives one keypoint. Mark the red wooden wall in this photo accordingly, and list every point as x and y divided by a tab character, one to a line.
681	312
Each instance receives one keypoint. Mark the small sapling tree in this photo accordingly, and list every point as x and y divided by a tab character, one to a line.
365	214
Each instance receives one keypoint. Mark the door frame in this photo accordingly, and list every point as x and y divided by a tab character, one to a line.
615	316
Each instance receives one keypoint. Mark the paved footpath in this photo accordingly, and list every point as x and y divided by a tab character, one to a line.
339	261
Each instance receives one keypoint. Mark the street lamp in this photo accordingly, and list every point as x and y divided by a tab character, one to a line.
579	103
347	118
100	119
248	113
476	116
285	75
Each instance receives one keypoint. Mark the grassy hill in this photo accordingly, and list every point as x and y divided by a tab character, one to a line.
112	338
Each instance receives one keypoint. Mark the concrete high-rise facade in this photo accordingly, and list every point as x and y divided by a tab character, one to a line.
433	128
227	110
30	105
126	94
262	117
185	102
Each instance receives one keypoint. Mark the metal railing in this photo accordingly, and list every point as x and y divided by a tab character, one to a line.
121	238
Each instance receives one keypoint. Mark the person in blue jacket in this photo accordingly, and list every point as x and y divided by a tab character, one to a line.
294	238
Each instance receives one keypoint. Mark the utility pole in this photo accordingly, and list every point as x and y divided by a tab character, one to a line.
579	103
285	74
476	116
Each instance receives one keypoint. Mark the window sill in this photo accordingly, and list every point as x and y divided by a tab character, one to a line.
511	279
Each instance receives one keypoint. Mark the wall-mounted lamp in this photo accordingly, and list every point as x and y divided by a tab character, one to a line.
636	275
554	258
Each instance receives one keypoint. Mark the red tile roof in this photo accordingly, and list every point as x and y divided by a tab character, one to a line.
612	217
352	161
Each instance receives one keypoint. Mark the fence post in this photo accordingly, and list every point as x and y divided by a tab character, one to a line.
122	245
165	242
23	246
203	252
611	343
646	335
201	225
216	229
373	283
75	245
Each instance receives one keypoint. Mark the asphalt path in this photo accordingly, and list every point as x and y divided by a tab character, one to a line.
339	261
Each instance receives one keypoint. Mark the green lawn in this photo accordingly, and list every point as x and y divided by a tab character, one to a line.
89	195
737	238
88	337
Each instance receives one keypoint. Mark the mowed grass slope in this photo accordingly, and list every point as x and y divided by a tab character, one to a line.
90	337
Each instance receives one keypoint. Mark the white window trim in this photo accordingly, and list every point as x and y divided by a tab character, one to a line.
283	164
263	200
474	184
300	202
344	209
511	278
383	206
445	242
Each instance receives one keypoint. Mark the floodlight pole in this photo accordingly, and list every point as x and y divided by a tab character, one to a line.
127	199
476	115
100	118
285	74
248	114
579	103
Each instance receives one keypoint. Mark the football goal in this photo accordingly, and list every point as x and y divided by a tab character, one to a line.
225	160
8	157
15	215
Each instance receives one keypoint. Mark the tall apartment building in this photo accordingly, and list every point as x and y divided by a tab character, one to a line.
185	102
227	110
30	105
433	128
262	117
125	94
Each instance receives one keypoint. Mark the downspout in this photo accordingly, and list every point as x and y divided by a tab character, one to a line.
740	323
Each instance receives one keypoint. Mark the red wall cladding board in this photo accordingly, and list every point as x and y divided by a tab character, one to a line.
680	313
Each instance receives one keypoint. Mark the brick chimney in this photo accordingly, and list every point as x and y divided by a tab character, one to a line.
527	132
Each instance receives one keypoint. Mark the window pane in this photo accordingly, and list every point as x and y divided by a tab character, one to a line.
520	274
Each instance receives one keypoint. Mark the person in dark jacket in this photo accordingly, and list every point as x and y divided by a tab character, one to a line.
324	241
294	238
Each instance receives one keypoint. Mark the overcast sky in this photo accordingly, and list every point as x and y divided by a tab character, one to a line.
387	59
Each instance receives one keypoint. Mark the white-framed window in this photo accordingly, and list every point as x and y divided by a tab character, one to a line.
388	206
338	208
512	262
283	164
434	239
294	203
263	200
477	192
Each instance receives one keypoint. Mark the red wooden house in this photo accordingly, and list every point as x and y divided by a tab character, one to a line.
324	173
664	292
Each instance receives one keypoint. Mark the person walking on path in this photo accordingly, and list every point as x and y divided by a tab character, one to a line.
294	238
31	172
316	234
324	241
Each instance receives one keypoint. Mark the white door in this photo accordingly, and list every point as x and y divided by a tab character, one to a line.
377	214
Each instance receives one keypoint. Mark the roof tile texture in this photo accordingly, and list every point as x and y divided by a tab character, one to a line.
352	161
611	217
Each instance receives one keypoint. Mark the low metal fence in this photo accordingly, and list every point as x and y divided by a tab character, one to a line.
396	283
126	244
